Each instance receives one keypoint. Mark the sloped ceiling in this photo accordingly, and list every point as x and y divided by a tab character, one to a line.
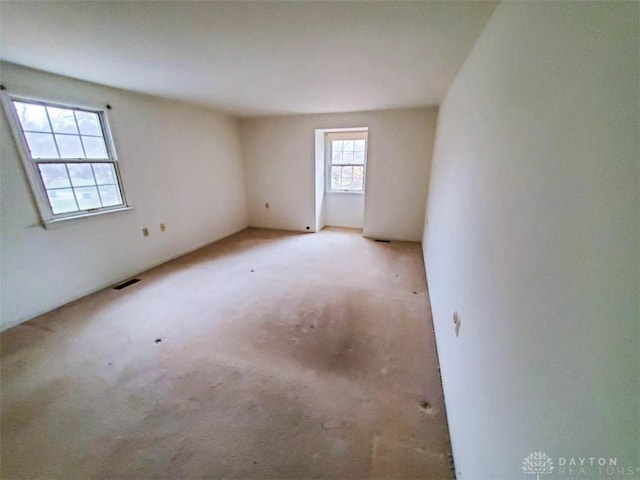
252	58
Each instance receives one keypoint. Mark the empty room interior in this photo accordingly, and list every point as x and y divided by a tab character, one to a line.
323	239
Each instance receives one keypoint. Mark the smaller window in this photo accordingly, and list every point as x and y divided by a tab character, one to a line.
346	161
68	156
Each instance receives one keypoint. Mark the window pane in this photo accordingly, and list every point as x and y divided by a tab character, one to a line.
358	178
347	175
336	157
54	175
89	123
336	175
41	145
347	145
105	173
70	146
94	147
62	201
345	158
110	195
81	174
32	117
87	197
62	120
358	145
336	146
358	157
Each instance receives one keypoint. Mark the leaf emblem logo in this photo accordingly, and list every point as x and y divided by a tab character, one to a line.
537	463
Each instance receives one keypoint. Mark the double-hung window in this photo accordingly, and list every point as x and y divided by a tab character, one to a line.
69	158
346	161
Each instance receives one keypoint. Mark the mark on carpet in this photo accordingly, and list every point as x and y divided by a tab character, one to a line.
425	406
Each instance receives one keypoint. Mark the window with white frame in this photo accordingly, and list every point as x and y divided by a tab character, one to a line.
346	161
69	158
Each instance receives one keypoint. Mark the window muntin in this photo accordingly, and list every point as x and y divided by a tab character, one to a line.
72	187
69	158
347	154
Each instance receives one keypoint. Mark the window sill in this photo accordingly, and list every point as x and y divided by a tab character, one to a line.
60	221
347	192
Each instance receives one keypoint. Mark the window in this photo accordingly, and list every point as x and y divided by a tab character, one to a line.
346	161
68	156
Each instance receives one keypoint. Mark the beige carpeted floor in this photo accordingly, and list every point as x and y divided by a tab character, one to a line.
265	355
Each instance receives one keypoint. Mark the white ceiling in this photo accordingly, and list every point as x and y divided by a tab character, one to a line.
252	58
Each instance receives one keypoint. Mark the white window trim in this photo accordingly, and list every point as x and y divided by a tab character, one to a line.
346	134
30	166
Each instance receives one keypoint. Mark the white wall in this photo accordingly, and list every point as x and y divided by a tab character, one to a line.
319	180
532	236
280	168
181	165
344	209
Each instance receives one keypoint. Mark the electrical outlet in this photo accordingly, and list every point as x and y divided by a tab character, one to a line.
162	227
145	232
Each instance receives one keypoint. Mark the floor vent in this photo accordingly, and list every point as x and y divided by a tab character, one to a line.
383	241
126	284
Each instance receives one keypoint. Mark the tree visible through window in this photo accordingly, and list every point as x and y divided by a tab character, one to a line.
347	154
68	157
